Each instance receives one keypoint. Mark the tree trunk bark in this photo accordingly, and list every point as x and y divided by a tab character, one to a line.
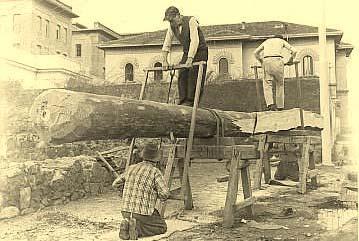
62	116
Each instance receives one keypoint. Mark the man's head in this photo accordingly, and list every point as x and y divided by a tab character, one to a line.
172	15
150	152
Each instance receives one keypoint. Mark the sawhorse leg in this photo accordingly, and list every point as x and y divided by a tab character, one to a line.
263	147
232	191
303	166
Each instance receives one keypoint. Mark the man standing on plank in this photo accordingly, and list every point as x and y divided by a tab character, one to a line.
187	31
273	69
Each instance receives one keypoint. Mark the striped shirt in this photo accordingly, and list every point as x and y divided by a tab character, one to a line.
144	184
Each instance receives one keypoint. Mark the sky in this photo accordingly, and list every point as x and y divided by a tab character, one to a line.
142	16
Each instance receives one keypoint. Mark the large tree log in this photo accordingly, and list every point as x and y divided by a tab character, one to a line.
61	116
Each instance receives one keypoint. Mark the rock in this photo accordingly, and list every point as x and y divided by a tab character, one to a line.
59	201
25	197
95	188
2	200
9	212
58	182
3	184
13	197
45	202
27	211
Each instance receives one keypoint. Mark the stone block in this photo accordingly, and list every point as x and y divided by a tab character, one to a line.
95	188
13	195
3	184
25	197
27	211
3	200
58	182
59	201
9	212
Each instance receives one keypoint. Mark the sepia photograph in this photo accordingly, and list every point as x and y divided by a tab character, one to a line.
179	120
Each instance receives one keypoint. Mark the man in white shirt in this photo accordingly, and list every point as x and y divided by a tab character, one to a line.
187	31
273	69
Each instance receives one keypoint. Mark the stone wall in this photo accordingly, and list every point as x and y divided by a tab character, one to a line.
29	186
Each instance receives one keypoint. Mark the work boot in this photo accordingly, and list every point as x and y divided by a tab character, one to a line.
124	230
272	107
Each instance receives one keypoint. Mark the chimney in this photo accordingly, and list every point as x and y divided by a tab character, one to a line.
243	25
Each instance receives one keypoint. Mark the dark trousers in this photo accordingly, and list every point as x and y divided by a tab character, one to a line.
187	78
148	225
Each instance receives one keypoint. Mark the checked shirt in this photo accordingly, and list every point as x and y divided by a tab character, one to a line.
144	184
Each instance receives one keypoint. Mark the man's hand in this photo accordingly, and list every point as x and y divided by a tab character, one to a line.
290	61
165	64
188	63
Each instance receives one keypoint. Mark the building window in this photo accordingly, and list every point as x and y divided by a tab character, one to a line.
308	66
65	35
78	50
128	72
158	74
39	25
16	27
223	67
58	28
47	28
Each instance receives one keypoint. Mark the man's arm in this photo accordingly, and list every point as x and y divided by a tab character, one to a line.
119	181
166	48
193	33
257	52
162	189
291	49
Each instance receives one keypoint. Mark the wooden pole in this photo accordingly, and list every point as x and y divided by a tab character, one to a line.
324	92
259	103
187	195
299	95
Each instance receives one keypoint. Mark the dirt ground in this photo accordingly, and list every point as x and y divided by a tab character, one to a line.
317	215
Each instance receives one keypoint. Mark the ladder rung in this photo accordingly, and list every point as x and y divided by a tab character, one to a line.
176	189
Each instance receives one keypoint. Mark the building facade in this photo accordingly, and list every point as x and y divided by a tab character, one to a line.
85	49
231	56
37	26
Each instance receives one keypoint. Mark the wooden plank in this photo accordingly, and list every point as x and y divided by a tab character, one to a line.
300	133
275	121
186	192
245	203
303	167
259	163
232	190
247	189
116	149
215	152
312	171
173	67
291	139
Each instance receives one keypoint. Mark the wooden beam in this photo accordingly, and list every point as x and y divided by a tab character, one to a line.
214	152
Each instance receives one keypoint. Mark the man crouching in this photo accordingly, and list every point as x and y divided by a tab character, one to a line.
144	184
